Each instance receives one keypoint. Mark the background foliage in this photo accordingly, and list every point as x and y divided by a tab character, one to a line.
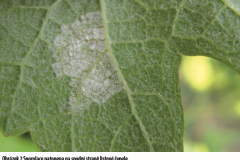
211	105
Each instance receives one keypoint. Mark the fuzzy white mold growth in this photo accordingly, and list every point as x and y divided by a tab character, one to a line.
76	50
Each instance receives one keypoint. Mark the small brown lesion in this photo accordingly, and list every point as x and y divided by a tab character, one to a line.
89	41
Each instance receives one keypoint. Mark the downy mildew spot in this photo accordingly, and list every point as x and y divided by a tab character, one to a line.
78	51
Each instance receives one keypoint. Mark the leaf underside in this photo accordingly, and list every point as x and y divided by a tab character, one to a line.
90	75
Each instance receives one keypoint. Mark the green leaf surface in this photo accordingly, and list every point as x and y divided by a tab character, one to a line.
90	75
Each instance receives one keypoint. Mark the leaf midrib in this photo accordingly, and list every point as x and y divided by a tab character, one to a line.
226	2
125	85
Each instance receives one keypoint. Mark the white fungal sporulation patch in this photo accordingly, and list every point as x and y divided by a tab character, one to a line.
102	82
77	50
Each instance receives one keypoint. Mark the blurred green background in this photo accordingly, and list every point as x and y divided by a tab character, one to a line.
211	100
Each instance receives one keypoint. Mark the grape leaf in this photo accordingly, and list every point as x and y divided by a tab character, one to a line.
90	75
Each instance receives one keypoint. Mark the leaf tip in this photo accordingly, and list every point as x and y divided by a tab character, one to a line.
5	135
